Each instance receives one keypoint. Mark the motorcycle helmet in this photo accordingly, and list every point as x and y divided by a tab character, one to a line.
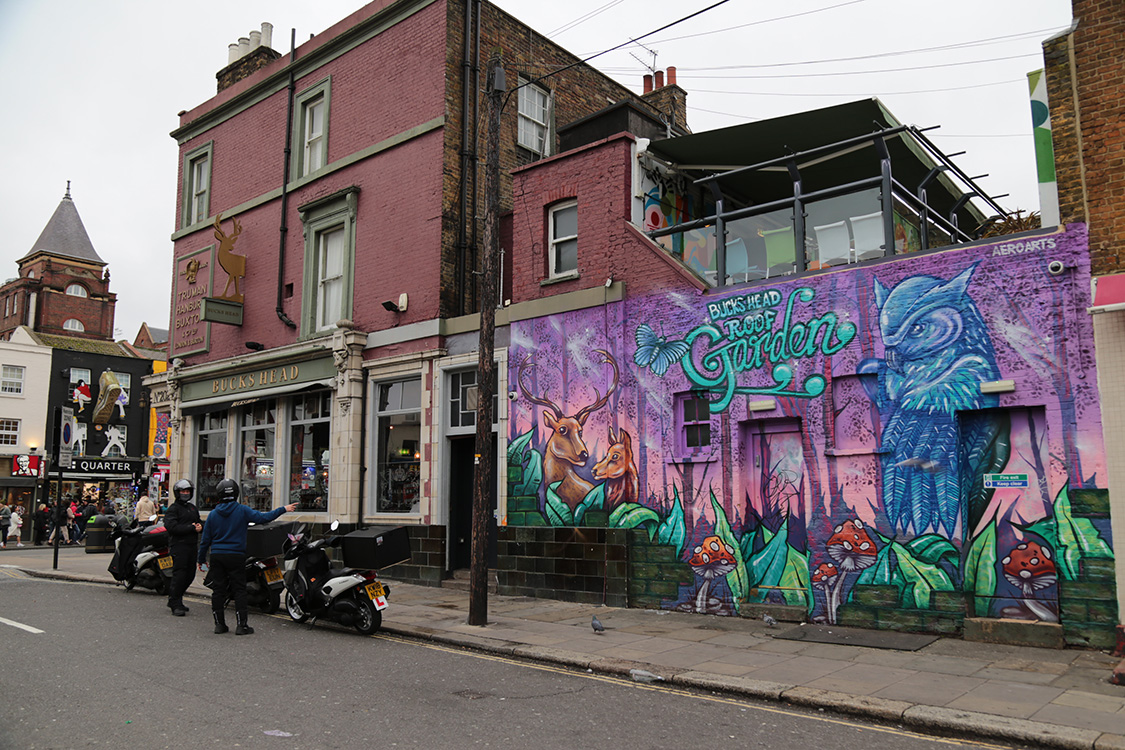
183	491
227	491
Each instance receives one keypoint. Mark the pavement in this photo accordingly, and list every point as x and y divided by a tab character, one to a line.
1034	696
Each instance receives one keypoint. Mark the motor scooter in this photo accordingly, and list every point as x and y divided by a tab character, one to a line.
264	583
141	557
313	589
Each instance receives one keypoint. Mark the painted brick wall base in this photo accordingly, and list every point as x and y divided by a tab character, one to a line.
427	557
1088	606
587	565
656	574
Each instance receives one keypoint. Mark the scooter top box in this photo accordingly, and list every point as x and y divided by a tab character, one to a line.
376	547
268	539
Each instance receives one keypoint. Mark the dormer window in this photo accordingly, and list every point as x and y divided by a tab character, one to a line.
76	290
73	324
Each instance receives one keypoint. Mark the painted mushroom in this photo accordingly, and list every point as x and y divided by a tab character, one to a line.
853	549
711	559
1029	567
824	578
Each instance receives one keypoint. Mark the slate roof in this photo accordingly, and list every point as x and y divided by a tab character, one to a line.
65	235
74	344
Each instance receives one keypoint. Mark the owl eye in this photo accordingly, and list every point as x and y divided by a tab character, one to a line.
917	329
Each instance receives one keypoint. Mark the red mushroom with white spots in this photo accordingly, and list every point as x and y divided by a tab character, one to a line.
824	578
853	549
711	559
1029	567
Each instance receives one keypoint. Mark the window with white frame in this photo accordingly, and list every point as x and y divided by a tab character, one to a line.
210	457
76	290
311	126
535	118
73	324
257	433
327	288
464	395
125	380
398	447
11	380
310	422
693	416
197	185
9	432
563	230
7	306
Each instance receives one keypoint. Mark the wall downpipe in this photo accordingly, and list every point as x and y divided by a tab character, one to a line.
284	229
473	155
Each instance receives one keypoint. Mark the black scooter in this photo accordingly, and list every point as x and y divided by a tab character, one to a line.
313	589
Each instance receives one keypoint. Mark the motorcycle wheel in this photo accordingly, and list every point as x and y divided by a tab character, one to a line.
272	601
294	608
369	619
130	583
161	584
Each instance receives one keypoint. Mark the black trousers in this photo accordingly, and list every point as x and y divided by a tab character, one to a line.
183	572
228	576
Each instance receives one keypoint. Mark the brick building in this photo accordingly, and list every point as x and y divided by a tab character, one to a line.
349	383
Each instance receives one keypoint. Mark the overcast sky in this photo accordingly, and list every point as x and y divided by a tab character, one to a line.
92	90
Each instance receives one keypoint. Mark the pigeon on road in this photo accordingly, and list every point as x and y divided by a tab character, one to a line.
596	624
769	621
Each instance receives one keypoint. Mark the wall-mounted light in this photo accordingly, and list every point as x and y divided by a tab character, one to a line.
998	386
255	346
764	404
399	307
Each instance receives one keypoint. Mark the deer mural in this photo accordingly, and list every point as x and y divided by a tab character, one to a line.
234	265
565	452
619	471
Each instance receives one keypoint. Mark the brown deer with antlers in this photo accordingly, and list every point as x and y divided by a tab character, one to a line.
618	471
565	451
234	265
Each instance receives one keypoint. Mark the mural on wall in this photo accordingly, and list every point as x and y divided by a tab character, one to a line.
826	442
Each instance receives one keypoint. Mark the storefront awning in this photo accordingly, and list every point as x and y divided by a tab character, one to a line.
1109	294
222	403
17	481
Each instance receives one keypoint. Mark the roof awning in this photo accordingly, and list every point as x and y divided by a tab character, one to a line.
1109	294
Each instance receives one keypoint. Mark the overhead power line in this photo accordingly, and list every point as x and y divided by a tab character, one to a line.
865	93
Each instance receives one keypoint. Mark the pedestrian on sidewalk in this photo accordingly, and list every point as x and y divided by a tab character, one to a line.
39	524
183	524
224	535
145	509
5	522
61	516
16	526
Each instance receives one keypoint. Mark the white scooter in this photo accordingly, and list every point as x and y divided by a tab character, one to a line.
354	598
142	557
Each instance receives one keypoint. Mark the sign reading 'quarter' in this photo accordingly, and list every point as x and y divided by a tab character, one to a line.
108	466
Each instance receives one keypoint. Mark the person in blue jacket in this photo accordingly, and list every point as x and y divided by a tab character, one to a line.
224	534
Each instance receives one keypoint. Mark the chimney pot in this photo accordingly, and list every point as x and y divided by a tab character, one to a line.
243	46
232	52
255	40
671	75
267	34
648	82
660	79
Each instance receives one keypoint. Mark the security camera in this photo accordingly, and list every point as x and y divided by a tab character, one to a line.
512	395
1056	267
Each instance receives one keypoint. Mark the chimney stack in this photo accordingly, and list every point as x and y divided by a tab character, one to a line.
671	75
251	53
648	83
659	79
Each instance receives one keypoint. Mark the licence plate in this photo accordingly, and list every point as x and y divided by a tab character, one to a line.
165	562
273	575
375	590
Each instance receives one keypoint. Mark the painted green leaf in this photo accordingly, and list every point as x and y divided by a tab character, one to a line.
795	580
558	512
672	529
880	573
931	548
979	573
746	547
737	579
767	567
920	578
632	515
594	500
521	454
1077	538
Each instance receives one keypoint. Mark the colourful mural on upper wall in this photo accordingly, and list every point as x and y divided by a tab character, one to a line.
795	441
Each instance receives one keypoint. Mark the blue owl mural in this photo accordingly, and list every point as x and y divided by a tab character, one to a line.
937	352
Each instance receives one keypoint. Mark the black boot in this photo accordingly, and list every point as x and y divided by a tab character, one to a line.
220	621
242	628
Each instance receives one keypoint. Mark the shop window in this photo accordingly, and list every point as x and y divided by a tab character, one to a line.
327	286
398	430
210	457
257	433
9	432
309	457
11	380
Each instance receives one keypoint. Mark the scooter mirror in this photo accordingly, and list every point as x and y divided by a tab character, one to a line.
334	525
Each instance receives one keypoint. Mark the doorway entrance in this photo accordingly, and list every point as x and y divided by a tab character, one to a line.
462	470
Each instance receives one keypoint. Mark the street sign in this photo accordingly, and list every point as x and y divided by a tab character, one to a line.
68	431
998	481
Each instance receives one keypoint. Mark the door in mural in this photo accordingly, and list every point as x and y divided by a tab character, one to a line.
462	466
774	479
1009	566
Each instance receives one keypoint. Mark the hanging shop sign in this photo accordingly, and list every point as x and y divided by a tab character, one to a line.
191	334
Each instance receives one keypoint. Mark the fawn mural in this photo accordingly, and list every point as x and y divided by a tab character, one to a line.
840	442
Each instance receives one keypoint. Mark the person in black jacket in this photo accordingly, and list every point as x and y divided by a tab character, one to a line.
183	524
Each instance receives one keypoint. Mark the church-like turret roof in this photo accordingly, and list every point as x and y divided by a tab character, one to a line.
65	235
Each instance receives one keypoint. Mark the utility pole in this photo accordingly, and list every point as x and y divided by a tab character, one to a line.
483	483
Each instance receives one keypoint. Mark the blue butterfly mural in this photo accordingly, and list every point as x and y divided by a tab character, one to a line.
656	353
937	352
